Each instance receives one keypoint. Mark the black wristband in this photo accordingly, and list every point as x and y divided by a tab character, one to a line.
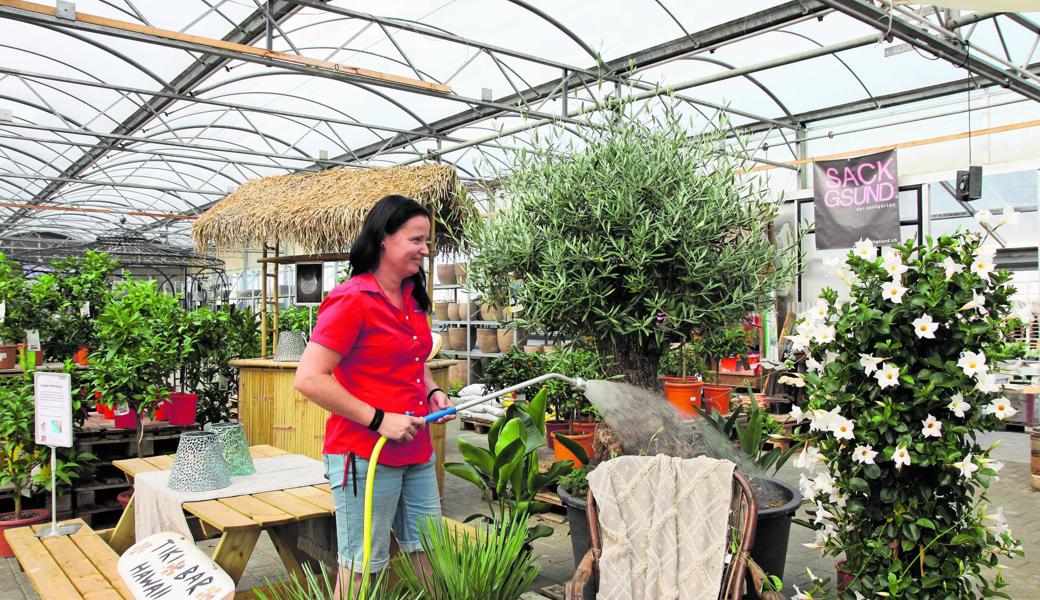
432	392
377	420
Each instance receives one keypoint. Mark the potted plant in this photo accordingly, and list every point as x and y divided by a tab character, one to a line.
570	405
643	233
680	367
903	384
715	345
71	296
24	466
140	344
22	313
222	335
294	329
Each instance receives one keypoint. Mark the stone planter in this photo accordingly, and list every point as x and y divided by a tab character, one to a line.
458	339
453	311
487	340
505	339
488	312
440	311
460	273
446	274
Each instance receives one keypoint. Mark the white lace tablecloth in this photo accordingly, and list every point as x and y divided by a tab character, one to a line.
158	508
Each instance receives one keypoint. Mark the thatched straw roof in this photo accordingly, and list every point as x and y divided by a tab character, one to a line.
323	211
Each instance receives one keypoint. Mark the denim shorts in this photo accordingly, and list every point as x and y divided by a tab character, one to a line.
403	496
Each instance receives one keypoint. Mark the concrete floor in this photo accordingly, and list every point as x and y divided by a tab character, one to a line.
1021	507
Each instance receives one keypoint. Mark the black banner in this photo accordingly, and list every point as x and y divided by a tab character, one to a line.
856	198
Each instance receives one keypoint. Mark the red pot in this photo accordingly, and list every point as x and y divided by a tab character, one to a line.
683	394
716	397
160	412
30	516
552	427
729	364
181	410
584	426
80	357
584	439
127	421
124	497
844	577
8	356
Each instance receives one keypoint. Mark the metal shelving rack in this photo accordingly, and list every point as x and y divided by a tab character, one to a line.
470	325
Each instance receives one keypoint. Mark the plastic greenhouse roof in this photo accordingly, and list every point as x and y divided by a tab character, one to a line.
113	127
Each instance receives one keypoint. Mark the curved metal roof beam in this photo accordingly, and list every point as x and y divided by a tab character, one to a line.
336	143
271	73
166	161
42	108
210	126
304	99
99	111
153	180
545	16
42	162
835	56
55	60
188	158
64	31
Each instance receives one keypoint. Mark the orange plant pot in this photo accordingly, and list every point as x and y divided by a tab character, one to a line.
80	357
683	394
716	398
584	439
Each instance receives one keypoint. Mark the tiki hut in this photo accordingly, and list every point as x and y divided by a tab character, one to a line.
322	212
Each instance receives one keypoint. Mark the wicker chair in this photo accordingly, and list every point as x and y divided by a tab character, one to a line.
742	521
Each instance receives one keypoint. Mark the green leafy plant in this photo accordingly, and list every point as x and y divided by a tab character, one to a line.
219	335
75	282
495	565
901	383
512	368
142	338
644	234
24	466
508	468
683	360
752	433
21	310
322	586
576	483
297	318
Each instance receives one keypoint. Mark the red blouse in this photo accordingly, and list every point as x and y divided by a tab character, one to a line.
384	352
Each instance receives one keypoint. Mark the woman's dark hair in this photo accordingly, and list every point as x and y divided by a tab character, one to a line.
385	218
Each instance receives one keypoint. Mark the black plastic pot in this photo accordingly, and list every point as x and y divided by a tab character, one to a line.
773	526
581	541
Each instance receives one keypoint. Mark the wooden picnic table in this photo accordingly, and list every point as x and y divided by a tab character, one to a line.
239	520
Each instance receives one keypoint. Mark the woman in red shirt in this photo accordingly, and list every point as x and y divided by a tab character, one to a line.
366	364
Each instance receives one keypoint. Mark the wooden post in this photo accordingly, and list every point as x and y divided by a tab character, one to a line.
263	302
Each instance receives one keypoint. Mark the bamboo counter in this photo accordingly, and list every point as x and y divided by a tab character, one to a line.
274	413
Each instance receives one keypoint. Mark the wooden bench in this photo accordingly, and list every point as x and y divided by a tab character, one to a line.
79	566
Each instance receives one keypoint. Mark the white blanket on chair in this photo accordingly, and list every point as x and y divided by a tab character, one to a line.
664	523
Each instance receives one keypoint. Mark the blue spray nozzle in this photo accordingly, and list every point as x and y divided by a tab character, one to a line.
440	414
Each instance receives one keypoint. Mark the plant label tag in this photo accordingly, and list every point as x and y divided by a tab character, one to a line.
3	310
32	340
53	393
122	410
169	566
84	311
221	382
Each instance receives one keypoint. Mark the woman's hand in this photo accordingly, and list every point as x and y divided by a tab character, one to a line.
400	428
440	401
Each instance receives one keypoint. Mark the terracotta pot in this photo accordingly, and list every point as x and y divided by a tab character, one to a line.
446	340
716	398
80	357
453	311
729	364
488	312
548	349
552	427
457	337
31	516
537	349
446	274
584	427
487	340
464	311
8	356
460	273
505	339
584	439
457	373
440	311
683	394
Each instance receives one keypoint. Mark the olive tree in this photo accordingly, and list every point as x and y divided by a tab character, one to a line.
642	235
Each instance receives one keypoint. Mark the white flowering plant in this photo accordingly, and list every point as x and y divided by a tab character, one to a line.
902	379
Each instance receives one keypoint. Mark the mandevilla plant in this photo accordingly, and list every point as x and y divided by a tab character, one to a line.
901	382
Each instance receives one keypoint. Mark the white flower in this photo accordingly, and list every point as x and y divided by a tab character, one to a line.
893	291
823	484
887	376
796	413
843	428
829	357
987	384
795	380
813	365
824	334
864	455
977	302
798	342
984	217
966	466
869	363
1000	407
931	427
839	499
972	363
808	328
805	486
1009	216
822	420
924	327
864	249
989	463
958	405
982	267
893	265
1000	524
800	595
952	267
819	312
901	457
809	457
